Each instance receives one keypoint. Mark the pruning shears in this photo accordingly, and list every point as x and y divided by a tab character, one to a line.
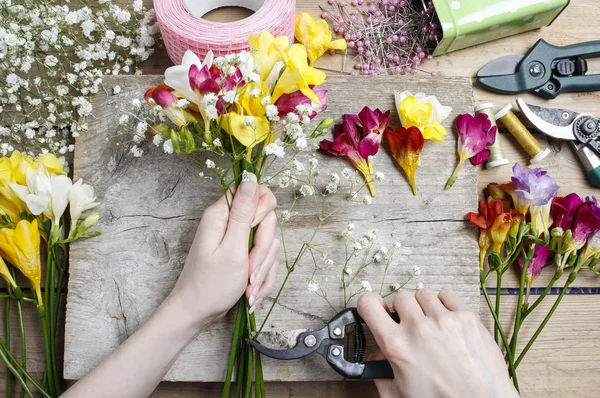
334	352
582	129
546	70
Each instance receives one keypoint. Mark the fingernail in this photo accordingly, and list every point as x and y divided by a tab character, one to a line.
258	219
254	291
252	279
258	302
251	300
255	306
249	185
252	308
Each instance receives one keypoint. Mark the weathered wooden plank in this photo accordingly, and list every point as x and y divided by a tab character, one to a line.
151	206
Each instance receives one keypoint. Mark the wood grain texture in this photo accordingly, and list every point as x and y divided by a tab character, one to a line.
150	209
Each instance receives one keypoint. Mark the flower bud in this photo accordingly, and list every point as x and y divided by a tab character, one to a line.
175	142
321	129
89	222
557	232
566	240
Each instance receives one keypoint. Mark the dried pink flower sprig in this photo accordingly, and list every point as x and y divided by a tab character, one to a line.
385	36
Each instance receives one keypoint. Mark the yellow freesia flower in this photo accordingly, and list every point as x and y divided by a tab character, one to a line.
53	165
316	37
5	273
248	130
424	112
265	49
21	247
298	76
12	170
251	98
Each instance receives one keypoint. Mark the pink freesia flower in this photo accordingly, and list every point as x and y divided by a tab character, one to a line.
563	209
538	262
585	223
202	82
475	134
168	102
358	138
288	103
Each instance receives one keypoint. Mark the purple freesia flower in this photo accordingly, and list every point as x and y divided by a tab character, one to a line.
476	133
534	186
537	263
373	123
288	103
202	82
585	223
563	210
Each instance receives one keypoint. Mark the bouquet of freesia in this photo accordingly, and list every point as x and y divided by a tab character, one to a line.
528	226
34	196
238	115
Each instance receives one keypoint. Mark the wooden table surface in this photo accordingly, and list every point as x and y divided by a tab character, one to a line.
565	360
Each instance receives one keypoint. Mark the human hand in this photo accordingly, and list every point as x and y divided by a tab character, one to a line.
439	348
219	269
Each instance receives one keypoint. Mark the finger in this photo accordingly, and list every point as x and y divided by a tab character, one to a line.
406	307
373	310
260	273
430	303
241	214
213	224
452	301
268	285
377	356
266	204
263	240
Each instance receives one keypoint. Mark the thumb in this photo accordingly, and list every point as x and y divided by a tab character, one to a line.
242	212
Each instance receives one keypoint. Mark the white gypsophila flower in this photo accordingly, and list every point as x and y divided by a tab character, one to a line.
307	190
209	99
367	199
416	270
313	286
378	258
272	112
334	178
136	151
124	119
379	176
211	112
249	121
419	286
347	173
357	245
371	235
298	166
348	271
285	216
116	89
329	262
266	101
395	287
397	245
182	103
210	164
313	162
276	149
331	188
230	96
168	146
301	142
217	142
157	140
366	286
50	61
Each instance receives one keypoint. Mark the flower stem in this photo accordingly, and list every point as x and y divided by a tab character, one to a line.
454	176
235	346
9	359
498	287
13	371
518	320
543	295
7	338
571	279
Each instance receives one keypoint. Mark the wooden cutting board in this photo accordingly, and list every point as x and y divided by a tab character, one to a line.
151	206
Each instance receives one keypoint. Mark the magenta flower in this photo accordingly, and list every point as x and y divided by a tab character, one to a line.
202	82
358	138
475	134
537	264
168	102
563	210
585	223
288	103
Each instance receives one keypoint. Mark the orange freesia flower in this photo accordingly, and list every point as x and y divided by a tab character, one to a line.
499	230
485	220
406	145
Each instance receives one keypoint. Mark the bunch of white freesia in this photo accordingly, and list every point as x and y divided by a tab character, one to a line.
52	58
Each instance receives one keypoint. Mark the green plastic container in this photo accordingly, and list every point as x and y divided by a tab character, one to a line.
466	23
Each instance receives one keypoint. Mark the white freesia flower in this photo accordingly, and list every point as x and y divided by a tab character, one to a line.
81	198
177	77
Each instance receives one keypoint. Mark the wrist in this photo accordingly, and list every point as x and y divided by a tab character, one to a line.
187	318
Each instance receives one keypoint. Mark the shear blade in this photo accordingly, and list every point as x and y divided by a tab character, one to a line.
507	65
556	123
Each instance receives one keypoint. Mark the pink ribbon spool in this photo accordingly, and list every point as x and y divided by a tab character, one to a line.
183	28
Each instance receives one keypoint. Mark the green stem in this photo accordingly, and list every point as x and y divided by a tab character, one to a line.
537	302
518	320
7	338
235	346
454	176
509	354
8	356
287	275
571	279
498	288
250	359
23	342
16	373
48	350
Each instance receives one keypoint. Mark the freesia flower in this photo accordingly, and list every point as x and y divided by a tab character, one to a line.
488	211
248	130
406	146
316	37
266	50
251	97
424	112
177	77
44	193
5	273
536	265
585	223
298	75
50	161
81	198
499	230
534	191
592	247
358	138
475	134
21	247
168	102
563	209
289	103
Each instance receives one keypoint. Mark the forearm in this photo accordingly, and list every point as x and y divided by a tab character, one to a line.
139	364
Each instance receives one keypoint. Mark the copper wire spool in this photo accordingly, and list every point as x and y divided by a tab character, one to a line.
522	135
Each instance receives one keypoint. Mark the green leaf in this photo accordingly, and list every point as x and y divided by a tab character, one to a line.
495	261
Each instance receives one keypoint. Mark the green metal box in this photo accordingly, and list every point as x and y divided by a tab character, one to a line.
466	23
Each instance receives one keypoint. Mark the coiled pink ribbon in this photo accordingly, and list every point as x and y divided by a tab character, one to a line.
182	31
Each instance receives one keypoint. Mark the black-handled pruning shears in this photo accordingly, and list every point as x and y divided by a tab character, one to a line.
582	129
545	70
335	331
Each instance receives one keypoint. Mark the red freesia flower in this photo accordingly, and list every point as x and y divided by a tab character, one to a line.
563	209
485	220
406	146
358	138
288	103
